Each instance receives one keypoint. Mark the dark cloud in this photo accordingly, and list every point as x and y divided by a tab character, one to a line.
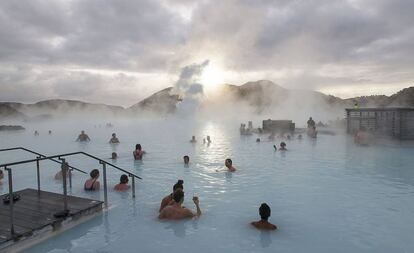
314	44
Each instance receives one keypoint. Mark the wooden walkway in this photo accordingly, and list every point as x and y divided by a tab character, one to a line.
33	213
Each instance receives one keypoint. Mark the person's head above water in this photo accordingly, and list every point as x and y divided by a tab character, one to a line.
138	147
114	135
264	211
114	155
124	179
228	162
186	159
178	185
258	140
178	196
193	137
82	132
94	173
283	144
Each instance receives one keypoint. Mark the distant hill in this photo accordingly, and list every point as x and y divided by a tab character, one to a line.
8	112
161	102
263	96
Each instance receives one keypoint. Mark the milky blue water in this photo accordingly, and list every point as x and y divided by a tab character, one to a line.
326	195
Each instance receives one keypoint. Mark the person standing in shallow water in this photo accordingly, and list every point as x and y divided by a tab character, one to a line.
83	137
264	224
114	139
176	211
138	152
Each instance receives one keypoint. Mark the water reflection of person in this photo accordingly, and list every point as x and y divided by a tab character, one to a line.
178	227
265	238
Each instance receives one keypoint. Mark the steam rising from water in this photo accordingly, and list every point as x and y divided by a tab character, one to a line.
189	89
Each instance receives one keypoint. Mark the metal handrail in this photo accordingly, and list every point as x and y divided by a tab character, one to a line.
69	154
63	162
38	154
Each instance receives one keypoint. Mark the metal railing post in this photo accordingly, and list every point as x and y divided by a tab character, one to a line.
70	178
65	188
133	185
105	184
38	174
9	171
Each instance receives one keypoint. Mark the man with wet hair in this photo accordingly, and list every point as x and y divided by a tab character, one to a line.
168	200
264	224
178	212
229	164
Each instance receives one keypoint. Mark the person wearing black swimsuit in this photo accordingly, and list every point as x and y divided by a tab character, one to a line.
92	184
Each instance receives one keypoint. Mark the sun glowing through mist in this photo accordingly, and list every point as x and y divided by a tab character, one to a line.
212	77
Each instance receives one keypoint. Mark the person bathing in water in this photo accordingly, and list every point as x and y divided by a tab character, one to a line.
193	139
1	177
92	184
83	137
229	164
168	200
186	160
59	175
138	152
177	212
263	223
123	184
114	156
283	146
208	141
114	139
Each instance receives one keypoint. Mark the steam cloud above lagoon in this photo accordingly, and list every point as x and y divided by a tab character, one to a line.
345	48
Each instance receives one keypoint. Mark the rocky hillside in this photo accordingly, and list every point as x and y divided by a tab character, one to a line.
261	95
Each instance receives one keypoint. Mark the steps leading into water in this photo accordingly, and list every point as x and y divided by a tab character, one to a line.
34	217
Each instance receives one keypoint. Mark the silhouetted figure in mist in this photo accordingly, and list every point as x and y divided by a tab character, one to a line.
263	223
114	139
193	139
59	175
311	123
83	137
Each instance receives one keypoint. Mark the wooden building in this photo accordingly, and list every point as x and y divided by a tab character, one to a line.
392	122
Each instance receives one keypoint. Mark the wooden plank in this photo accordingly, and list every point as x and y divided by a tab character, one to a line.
34	212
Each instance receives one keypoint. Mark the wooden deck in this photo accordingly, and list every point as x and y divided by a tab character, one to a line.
34	214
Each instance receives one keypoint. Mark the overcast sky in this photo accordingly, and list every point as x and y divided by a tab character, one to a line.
118	51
